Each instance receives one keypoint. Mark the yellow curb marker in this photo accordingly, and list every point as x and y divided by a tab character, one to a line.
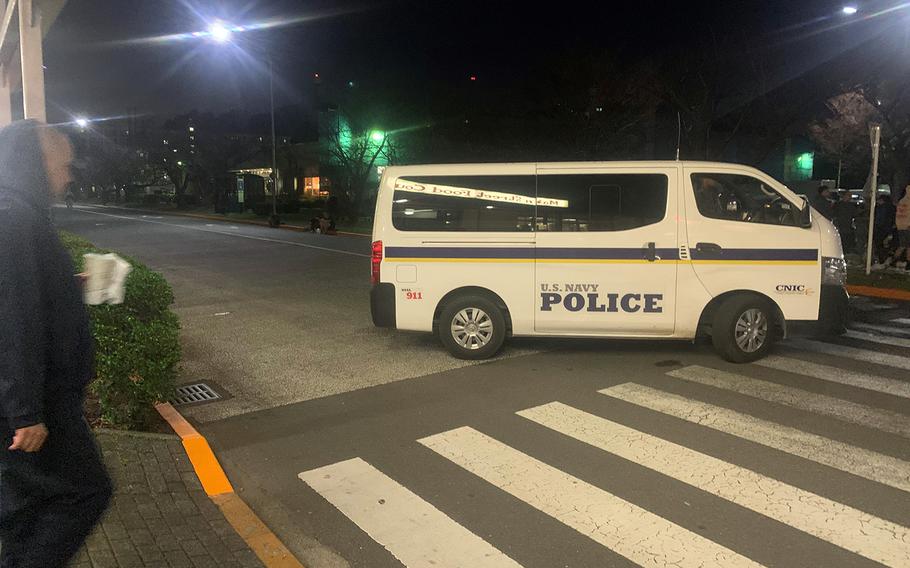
250	527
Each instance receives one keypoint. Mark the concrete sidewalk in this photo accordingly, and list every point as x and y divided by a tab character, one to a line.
160	516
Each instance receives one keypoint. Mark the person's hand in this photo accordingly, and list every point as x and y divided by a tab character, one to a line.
29	439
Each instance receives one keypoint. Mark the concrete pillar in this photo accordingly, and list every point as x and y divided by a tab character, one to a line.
6	103
32	60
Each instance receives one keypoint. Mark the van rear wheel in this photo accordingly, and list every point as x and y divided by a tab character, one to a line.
743	329
471	327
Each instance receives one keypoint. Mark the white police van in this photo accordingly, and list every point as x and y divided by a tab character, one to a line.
665	250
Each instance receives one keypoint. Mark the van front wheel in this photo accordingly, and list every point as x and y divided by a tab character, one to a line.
471	327
743	329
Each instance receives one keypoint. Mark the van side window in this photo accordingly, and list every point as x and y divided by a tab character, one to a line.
499	203
733	197
600	202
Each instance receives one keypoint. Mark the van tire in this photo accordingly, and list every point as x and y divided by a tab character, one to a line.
747	312
463	310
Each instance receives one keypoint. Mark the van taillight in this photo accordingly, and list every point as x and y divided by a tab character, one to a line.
375	261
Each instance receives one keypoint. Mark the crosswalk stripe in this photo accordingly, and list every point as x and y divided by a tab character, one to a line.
856	413
839	455
416	533
837	375
854	530
876	338
902	332
864	355
902	321
625	528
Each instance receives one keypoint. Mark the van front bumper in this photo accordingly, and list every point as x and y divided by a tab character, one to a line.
833	314
382	304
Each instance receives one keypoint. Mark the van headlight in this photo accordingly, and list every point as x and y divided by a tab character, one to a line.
834	271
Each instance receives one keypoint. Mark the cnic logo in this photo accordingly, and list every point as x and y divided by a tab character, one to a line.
794	289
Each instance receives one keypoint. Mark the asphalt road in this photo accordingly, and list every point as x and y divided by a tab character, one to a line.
269	317
568	453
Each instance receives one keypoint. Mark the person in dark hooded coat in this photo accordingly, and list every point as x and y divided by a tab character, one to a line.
53	484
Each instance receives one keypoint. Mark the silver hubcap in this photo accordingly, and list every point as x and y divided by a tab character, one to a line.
472	328
751	330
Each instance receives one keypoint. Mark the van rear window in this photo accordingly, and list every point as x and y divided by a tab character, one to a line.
496	203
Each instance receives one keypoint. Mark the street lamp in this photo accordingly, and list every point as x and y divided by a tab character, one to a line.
221	33
377	136
849	10
81	122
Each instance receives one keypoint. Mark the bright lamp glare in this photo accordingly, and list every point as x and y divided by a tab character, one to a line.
81	122
219	32
849	10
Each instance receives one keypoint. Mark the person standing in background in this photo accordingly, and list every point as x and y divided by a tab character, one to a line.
844	212
822	201
902	222
53	484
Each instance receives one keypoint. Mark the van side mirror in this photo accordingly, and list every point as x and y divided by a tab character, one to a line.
804	216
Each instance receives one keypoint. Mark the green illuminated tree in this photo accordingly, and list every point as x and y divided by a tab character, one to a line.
354	149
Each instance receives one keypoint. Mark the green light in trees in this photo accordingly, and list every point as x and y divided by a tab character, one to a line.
377	136
805	161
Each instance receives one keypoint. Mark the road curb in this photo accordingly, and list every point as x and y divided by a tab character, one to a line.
884	293
261	540
224	219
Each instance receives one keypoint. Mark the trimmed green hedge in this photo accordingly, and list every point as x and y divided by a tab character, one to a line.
137	347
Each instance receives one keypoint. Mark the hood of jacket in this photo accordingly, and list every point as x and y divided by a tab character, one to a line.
23	174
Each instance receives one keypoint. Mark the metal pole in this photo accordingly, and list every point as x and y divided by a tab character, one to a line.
274	143
876	137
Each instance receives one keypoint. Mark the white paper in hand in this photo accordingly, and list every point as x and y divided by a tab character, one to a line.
106	283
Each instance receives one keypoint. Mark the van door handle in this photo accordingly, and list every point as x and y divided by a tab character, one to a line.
650	251
708	247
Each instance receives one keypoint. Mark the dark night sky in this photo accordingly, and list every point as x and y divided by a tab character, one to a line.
93	70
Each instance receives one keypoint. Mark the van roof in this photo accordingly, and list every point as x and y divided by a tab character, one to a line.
558	165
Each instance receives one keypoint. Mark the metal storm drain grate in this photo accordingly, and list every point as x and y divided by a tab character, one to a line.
194	394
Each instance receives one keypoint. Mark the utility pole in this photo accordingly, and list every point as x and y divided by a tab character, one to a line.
873	198
275	219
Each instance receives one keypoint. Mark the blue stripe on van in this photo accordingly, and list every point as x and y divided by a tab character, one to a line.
756	254
590	253
459	252
604	253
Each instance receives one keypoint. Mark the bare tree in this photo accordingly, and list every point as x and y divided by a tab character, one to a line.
844	135
354	150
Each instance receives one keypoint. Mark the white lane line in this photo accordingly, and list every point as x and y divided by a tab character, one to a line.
621	526
851	529
876	338
837	375
850	353
414	531
885	329
884	420
839	455
902	321
236	235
